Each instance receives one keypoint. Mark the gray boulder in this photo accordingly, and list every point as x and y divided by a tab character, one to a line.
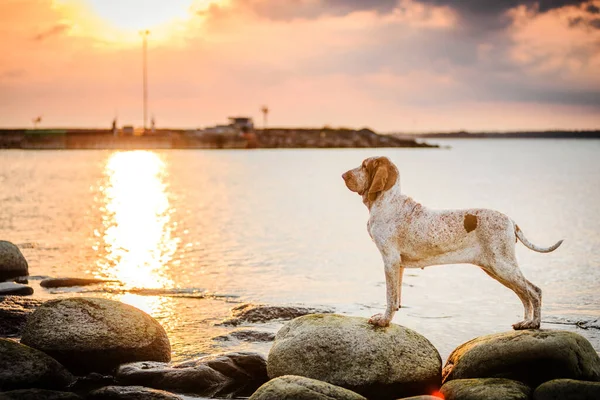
38	394
236	374
95	335
291	387
12	262
130	393
22	367
14	289
349	352
559	389
485	389
529	356
254	313
14	311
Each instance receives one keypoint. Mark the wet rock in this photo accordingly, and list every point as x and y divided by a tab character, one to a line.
230	374
12	262
422	397
529	356
22	367
68	282
14	289
264	313
382	363
247	336
130	393
559	389
92	381
38	394
95	335
14	311
485	389
291	387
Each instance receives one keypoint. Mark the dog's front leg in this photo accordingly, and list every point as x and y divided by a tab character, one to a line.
392	274
400	273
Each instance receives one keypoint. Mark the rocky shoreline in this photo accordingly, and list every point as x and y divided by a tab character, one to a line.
95	348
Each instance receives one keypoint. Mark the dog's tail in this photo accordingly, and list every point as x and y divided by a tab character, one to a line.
532	246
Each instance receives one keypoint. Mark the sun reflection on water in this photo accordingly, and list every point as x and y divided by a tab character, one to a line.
138	235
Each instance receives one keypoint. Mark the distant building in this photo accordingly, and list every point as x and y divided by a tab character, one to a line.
237	126
242	124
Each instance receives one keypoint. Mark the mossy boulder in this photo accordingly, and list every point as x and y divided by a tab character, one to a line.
95	335
529	356
291	387
559	389
485	389
12	262
23	367
375	362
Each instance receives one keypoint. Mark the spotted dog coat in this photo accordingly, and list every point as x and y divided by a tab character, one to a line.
409	235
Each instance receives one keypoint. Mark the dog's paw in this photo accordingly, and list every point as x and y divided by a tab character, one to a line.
379	320
527	324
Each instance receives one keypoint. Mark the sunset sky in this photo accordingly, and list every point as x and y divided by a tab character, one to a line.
392	65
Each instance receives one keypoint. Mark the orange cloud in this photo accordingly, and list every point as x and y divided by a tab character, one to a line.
405	65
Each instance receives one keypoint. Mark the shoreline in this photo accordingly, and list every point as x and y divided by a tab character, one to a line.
67	139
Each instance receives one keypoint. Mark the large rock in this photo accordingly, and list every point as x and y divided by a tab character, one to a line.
485	389
14	311
14	289
22	367
12	262
231	374
68	282
291	387
93	334
349	352
130	393
559	389
38	394
264	313
529	356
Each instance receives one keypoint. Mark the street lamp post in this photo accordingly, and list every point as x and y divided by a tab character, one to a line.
145	72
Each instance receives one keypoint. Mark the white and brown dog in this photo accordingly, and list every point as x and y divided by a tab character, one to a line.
409	235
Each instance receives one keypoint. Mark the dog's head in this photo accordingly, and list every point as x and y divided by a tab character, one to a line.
374	176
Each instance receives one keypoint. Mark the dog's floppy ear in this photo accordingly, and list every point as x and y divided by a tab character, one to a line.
383	178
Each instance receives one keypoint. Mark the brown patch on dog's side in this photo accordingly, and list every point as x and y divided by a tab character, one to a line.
470	222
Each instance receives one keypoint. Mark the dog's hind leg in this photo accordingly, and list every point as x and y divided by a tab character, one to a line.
507	272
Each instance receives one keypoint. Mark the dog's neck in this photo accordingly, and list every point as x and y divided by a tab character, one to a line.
393	192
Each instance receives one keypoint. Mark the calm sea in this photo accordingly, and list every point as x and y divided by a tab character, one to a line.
280	227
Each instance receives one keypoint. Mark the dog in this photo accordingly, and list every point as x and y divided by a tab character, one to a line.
409	235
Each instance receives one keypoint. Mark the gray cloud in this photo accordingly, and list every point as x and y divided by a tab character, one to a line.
291	9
